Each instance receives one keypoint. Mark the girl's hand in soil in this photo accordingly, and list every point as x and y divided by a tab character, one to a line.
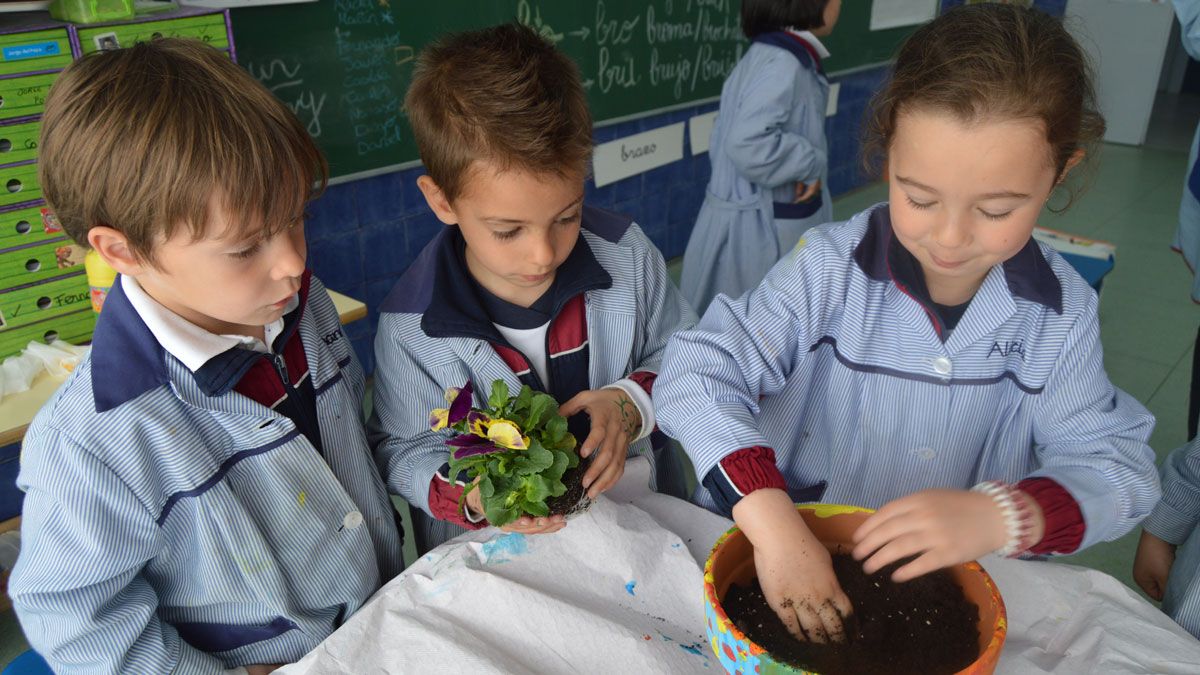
1152	564
940	527
615	422
524	524
794	568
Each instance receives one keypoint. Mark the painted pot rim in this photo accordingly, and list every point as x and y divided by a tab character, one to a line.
989	653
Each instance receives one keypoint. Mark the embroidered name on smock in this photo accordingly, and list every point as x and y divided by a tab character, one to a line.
1008	347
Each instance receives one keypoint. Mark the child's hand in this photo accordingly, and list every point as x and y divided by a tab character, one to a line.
262	669
1152	564
528	525
524	524
615	422
941	527
805	192
793	567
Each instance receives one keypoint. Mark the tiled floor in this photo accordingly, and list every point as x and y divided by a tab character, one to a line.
1148	323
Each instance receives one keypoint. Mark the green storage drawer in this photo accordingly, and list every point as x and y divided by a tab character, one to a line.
208	28
19	142
34	51
28	226
40	262
23	96
30	304
19	184
75	328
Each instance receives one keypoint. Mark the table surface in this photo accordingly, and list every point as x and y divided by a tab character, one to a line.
17	410
620	590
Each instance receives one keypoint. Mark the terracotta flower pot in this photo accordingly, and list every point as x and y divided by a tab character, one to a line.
732	561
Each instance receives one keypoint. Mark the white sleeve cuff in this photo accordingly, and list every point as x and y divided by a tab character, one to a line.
643	402
472	517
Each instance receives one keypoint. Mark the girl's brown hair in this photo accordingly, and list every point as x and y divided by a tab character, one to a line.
991	61
140	139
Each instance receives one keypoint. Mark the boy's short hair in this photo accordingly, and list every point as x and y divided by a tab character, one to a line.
140	139
504	95
766	16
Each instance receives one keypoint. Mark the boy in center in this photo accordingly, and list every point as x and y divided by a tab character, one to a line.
525	283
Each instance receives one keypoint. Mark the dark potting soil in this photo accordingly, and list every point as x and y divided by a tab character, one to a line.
921	626
575	498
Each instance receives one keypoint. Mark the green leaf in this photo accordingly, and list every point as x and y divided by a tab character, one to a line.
502	486
536	488
486	489
500	516
538	409
523	399
567	443
556	429
562	462
535	460
499	395
536	508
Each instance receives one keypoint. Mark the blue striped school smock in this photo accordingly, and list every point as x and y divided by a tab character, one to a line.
628	325
1176	520
769	134
166	530
1187	237
848	379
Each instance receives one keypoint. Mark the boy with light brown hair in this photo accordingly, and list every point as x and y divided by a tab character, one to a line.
204	472
524	284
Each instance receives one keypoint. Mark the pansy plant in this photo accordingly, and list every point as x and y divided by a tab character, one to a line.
518	447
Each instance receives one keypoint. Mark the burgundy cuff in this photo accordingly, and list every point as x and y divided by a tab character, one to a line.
443	503
645	380
753	468
1064	526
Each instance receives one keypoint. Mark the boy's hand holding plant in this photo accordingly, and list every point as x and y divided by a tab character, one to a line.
516	450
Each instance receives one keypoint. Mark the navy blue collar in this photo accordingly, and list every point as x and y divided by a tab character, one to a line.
128	361
881	257
457	310
794	46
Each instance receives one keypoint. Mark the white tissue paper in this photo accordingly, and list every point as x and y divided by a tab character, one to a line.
613	592
57	359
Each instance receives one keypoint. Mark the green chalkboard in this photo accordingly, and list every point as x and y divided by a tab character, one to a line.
853	44
344	65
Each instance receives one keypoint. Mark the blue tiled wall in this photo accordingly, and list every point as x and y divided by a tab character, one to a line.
363	234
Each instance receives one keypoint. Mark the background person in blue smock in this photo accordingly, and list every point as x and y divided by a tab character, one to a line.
768	152
1168	555
1187	237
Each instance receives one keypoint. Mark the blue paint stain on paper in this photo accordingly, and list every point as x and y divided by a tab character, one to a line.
692	649
676	545
630	586
504	548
